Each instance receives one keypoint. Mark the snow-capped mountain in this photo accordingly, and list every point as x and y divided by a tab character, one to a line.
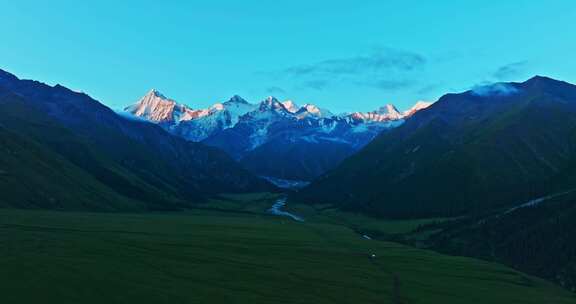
219	116
158	108
273	138
291	106
420	105
195	125
383	114
312	111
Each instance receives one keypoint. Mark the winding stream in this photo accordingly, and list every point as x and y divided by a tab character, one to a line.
277	209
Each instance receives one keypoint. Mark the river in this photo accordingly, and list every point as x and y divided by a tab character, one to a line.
277	209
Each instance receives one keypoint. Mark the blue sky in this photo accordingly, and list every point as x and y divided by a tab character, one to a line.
341	55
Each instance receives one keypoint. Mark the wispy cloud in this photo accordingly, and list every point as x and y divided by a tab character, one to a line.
382	60
496	84
383	68
511	70
275	90
428	88
315	84
388	84
495	89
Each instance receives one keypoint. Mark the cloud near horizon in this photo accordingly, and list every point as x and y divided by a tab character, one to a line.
494	89
384	68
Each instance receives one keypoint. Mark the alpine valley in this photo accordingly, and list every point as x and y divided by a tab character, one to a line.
280	152
280	141
163	203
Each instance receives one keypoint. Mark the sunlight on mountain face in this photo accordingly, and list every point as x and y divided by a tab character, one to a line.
273	128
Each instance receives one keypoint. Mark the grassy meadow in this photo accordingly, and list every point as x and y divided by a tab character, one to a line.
208	256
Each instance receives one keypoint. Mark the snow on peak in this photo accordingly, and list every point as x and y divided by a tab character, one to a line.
383	114
308	110
217	107
290	106
197	125
158	108
420	105
390	111
156	93
233	109
271	103
312	108
154	106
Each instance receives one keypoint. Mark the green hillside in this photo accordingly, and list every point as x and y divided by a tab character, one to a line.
48	166
539	239
67	151
466	154
32	176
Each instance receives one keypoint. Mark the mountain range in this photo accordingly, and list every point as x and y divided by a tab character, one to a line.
274	139
468	153
490	147
64	150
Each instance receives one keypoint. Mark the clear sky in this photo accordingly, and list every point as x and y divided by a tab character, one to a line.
341	55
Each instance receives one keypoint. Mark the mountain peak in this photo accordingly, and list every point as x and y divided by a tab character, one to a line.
543	80
311	108
308	110
539	78
271	99
390	111
155	93
271	103
290	106
154	106
237	99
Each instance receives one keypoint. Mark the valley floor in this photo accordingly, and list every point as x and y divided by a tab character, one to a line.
227	257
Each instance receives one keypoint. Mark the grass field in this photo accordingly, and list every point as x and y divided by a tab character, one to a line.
225	257
249	202
360	222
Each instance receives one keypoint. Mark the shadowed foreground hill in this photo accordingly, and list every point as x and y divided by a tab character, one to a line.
538	238
468	153
64	150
